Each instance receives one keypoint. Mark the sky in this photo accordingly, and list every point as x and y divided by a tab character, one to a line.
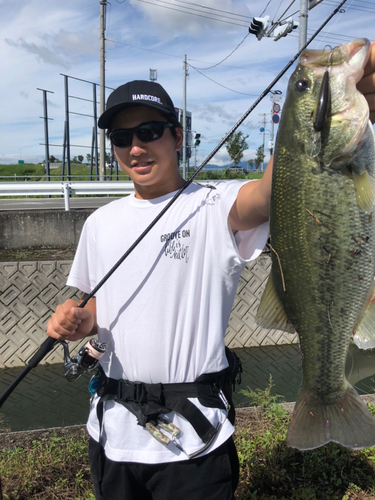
228	68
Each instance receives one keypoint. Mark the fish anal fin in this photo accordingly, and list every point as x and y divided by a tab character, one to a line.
364	331
346	421
271	314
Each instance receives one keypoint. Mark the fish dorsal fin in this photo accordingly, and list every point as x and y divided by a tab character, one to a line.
363	190
364	331
271	314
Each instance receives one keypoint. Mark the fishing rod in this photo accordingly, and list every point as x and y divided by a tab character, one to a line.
50	342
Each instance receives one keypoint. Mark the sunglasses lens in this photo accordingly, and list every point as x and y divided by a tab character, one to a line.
146	133
150	132
121	138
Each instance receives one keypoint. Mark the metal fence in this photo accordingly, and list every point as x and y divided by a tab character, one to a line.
68	188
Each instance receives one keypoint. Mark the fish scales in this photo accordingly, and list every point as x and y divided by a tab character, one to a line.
323	246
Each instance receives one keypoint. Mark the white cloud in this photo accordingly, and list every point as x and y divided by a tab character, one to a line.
39	40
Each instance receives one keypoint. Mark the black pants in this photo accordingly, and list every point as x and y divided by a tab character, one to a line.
211	477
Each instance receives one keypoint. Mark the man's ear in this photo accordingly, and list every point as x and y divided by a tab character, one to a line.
179	138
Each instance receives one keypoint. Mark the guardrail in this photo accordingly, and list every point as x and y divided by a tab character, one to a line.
68	188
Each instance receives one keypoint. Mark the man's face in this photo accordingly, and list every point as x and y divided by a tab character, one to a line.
152	166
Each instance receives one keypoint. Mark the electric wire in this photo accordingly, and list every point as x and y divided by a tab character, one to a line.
361	8
265	8
220	85
227	57
286	10
212	8
191	13
142	48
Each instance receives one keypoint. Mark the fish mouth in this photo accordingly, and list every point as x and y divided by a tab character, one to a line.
354	54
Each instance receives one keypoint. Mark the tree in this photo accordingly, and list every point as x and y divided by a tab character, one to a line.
80	158
250	164
259	157
236	145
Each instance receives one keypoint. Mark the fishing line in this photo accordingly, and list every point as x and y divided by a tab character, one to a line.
50	342
329	31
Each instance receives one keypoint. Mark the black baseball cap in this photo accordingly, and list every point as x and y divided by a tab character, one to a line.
139	93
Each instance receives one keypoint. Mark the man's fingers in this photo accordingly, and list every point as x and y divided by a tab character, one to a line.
367	84
370	66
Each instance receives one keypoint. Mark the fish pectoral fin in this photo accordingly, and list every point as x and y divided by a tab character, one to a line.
313	145
363	190
271	314
364	331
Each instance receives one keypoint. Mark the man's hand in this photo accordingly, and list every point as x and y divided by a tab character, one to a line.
367	84
70	322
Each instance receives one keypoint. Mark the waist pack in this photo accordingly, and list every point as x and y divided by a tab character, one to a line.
148	401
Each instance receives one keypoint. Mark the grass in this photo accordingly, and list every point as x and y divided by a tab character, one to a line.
81	172
54	468
270	470
57	467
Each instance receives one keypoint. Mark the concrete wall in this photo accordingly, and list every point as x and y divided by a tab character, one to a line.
41	229
30	292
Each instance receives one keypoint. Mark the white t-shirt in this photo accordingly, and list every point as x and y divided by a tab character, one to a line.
164	311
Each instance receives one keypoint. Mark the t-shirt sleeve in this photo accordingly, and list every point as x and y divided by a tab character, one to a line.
79	275
250	243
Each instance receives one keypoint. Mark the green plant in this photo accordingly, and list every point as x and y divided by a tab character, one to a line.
270	470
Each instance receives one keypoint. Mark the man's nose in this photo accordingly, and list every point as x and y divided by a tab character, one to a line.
137	147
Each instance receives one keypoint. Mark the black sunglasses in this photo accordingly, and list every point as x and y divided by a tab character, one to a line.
146	132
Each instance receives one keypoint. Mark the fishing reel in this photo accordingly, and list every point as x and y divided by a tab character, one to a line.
85	361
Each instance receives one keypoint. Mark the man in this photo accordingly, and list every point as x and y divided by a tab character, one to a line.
164	312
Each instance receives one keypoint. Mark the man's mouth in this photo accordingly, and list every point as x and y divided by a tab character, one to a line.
140	166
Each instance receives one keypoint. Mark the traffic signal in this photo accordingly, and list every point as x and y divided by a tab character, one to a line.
197	140
284	28
258	26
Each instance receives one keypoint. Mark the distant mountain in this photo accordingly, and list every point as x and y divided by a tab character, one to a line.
242	164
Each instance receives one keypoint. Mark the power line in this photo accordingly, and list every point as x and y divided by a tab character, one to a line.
211	8
192	13
220	85
142	48
265	8
360	8
227	57
286	10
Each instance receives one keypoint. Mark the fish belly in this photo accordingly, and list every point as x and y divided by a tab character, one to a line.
323	268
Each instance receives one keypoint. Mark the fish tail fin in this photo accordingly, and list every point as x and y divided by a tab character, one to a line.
346	421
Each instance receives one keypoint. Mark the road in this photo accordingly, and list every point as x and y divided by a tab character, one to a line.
18	204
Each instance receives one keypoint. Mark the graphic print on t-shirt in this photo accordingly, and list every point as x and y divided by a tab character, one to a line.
175	244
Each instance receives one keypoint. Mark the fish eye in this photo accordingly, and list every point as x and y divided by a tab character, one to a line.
302	85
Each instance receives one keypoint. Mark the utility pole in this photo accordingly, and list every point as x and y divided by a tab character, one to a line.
303	14
46	139
184	120
264	136
103	5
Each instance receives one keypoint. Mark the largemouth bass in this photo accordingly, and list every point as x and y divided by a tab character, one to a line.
323	240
